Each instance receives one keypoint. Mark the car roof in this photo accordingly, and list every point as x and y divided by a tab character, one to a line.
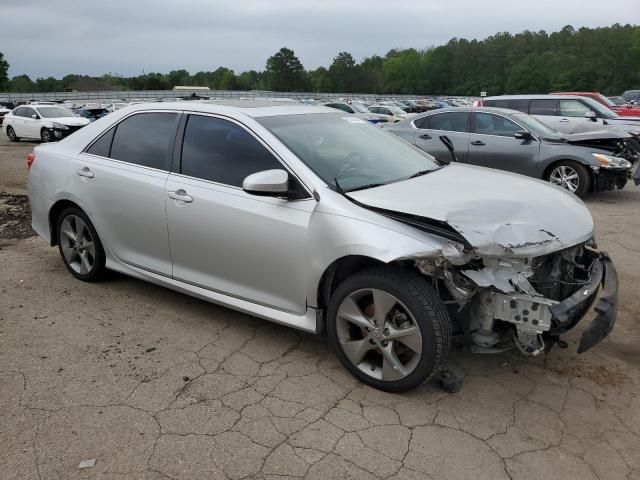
535	97
504	111
251	108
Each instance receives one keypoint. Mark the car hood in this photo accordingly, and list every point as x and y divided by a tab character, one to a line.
605	134
70	121
500	214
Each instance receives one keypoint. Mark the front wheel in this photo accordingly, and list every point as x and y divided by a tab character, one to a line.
45	135
388	328
572	176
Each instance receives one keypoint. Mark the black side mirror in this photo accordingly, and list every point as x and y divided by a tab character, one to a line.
522	135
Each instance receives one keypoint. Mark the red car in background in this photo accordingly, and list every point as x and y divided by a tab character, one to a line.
622	110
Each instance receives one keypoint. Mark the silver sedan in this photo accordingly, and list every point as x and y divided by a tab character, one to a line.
316	219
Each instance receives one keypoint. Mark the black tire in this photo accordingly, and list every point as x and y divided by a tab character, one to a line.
45	135
584	176
11	133
98	269
431	316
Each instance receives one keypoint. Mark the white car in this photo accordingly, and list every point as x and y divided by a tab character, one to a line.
394	114
45	122
359	110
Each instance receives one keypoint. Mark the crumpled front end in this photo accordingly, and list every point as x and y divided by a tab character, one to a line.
530	302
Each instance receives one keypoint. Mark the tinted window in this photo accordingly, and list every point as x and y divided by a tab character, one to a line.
340	106
28	112
223	152
496	103
19	112
144	139
452	122
573	108
542	107
102	146
489	124
422	122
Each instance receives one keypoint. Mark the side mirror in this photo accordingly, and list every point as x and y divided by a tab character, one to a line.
592	115
522	135
268	183
34	116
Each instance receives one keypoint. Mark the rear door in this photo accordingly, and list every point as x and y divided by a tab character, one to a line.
17	122
454	125
31	126
121	178
492	144
224	239
546	110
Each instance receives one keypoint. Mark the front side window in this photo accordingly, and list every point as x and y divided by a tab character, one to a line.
144	139
542	107
223	152
489	124
573	108
28	112
451	122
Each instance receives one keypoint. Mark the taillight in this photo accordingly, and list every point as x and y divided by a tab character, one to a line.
30	159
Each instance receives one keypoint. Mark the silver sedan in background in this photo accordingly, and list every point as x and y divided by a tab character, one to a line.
516	142
315	219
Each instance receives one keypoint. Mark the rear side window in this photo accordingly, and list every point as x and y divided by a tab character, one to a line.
223	152
102	146
340	106
19	112
489	124
543	107
452	122
422	122
145	139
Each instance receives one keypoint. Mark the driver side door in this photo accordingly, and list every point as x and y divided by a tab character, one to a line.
225	239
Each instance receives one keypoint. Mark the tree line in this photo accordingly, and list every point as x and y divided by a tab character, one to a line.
606	59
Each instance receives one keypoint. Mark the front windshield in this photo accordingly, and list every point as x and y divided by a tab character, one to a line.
360	108
347	149
606	100
534	125
395	110
606	112
55	112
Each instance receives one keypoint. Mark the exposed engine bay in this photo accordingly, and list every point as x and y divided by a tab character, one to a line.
626	147
526	303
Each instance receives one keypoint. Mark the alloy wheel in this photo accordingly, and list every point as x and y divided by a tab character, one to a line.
566	177
378	334
77	244
11	134
46	136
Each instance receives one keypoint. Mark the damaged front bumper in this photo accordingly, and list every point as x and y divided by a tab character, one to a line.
569	312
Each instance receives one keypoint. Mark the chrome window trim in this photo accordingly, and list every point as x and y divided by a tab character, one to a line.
500	136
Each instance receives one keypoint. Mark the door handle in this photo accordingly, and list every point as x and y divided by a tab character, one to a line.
564	120
85	172
425	136
181	196
477	142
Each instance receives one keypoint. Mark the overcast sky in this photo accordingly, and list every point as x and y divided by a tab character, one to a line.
43	38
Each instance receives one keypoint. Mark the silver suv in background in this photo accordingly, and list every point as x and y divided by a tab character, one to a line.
567	113
517	142
307	217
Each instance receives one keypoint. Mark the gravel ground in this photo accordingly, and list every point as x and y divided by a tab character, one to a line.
153	384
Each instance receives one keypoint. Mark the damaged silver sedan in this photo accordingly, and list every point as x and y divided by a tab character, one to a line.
317	220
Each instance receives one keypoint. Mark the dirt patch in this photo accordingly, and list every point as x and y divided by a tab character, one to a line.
596	373
15	217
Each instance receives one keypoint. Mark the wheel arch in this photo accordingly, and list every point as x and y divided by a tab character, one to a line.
566	158
54	214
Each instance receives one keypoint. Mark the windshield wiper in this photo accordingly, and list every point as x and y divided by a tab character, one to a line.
364	187
422	172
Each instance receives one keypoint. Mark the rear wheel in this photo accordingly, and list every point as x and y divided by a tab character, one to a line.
388	328
45	135
12	135
571	176
80	246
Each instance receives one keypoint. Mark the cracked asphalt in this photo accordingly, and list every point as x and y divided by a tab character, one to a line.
153	384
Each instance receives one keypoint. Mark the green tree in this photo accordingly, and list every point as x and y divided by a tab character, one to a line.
285	72
4	72
320	80
21	84
343	73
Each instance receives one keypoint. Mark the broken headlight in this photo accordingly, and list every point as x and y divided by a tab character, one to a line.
609	161
59	126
